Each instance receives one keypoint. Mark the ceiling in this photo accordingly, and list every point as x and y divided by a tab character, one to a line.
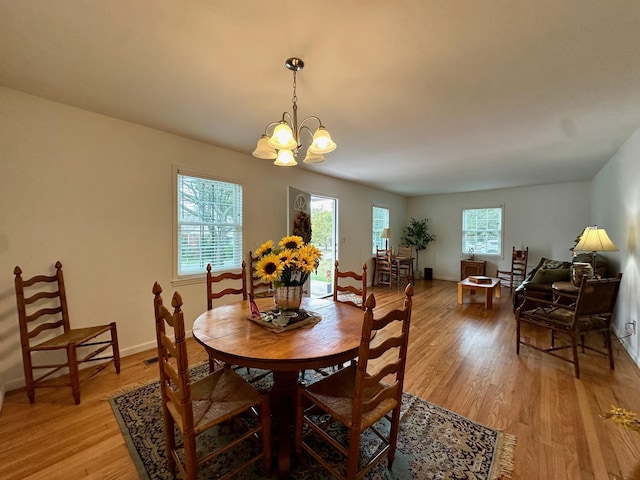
422	96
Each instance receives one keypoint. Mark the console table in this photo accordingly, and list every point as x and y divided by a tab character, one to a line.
471	267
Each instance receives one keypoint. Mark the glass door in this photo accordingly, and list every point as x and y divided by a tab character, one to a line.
323	236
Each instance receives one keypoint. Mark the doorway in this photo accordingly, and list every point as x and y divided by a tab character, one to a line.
323	236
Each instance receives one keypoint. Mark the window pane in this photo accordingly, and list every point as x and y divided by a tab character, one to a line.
482	230
209	225
380	222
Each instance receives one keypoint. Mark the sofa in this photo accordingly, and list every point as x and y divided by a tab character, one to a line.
538	282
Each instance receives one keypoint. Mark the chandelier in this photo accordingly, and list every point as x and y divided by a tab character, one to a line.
285	142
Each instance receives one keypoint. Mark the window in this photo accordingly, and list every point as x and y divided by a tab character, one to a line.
380	222
482	230
209	225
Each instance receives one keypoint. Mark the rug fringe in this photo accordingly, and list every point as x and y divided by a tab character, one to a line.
505	452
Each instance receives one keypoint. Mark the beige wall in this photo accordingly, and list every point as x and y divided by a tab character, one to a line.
96	193
545	218
616	207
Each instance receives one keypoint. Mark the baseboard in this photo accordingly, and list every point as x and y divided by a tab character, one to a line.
17	383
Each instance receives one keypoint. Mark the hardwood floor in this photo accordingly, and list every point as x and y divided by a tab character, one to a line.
460	357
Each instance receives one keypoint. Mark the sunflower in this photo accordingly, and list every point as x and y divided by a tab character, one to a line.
291	242
269	267
263	249
287	258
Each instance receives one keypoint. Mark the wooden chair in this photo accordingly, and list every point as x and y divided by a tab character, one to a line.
43	312
220	397
404	265
348	292
518	272
257	287
357	397
215	279
384	267
590	311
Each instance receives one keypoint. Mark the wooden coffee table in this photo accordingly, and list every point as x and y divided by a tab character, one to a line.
490	289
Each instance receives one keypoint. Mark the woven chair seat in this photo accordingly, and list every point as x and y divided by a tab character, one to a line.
336	394
77	336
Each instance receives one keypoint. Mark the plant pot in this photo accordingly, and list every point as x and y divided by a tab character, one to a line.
288	298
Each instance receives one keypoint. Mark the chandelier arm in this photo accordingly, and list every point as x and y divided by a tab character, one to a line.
266	129
305	128
311	117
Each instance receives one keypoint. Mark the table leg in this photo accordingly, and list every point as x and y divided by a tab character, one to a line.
497	290
488	298
459	294
282	399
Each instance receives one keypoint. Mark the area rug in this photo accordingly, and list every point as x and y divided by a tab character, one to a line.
433	442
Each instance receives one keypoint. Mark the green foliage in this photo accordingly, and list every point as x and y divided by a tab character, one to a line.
417	234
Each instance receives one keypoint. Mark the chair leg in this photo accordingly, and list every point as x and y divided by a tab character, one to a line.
607	336
574	349
115	347
28	377
299	421
190	456
354	454
393	436
517	335
72	359
265	419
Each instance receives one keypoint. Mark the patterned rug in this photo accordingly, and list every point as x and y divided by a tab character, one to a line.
433	443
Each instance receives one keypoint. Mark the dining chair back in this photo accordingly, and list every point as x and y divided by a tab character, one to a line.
214	281
350	287
574	317
257	287
384	267
195	408
518	271
359	396
45	327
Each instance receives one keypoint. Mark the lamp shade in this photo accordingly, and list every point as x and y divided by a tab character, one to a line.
595	239
263	150
285	158
322	142
386	233
313	157
282	137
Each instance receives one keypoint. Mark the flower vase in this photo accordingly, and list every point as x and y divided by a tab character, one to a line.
288	298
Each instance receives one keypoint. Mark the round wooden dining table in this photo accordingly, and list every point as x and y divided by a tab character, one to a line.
229	336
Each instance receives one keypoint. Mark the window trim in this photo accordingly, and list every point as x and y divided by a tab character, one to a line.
462	230
178	280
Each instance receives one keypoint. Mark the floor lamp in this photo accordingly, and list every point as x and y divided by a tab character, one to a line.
593	240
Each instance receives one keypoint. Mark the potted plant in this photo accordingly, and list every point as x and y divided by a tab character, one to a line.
417	235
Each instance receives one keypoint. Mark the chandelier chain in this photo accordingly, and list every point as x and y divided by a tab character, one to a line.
294	98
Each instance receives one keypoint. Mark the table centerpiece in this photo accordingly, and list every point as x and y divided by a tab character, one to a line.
287	267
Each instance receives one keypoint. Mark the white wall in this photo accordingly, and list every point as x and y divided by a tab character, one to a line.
616	208
546	218
96	193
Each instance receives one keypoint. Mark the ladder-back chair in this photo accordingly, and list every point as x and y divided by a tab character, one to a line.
193	408
257	287
350	287
45	327
518	272
214	280
359	396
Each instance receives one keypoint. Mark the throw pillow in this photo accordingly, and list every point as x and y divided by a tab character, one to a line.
550	275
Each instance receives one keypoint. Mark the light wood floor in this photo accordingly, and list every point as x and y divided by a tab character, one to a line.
460	357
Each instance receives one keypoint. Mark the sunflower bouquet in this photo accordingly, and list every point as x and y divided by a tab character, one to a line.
288	263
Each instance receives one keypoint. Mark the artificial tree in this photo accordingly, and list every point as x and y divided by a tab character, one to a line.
417	235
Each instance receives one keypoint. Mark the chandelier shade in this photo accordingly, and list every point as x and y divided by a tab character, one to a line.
285	141
264	150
